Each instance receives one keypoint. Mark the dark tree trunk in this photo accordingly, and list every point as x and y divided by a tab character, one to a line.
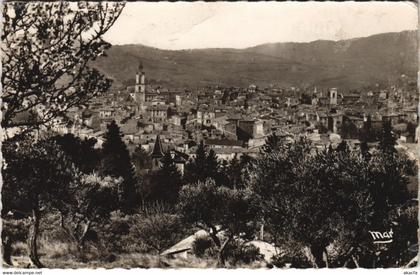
222	256
32	239
6	250
213	235
318	253
81	241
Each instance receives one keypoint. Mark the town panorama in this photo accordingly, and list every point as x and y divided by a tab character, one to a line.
271	155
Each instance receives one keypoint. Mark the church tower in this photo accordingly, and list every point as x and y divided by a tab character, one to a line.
157	154
140	87
333	96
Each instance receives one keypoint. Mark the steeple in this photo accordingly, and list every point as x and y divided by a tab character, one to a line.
157	154
157	149
140	87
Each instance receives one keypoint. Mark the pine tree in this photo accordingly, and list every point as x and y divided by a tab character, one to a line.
116	163
195	169
167	181
387	139
364	150
342	147
213	166
204	165
272	142
141	159
81	152
234	173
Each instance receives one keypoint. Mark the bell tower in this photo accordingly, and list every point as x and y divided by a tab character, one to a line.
140	87
333	96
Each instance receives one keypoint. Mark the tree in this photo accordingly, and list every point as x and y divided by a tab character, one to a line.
92	199
141	159
388	182
218	209
238	171
323	198
166	182
348	129
367	133
157	230
204	165
81	152
271	143
116	163
47	49
364	150
234	173
342	147
195	168
387	139
36	178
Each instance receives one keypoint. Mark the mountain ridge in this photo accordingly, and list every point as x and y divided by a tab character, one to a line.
346	64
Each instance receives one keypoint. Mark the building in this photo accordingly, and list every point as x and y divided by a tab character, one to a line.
333	96
157	154
139	94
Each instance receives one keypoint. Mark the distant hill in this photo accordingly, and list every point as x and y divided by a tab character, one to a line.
344	64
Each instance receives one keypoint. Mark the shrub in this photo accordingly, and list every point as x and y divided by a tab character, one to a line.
113	232
15	230
294	257
156	231
237	252
201	245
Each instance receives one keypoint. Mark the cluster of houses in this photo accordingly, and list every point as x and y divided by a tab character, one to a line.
234	121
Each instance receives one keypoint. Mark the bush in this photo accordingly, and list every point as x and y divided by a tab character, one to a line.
201	245
15	230
156	231
113	232
237	252
293	257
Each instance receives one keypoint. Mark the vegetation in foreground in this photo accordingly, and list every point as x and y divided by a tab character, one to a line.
316	206
67	204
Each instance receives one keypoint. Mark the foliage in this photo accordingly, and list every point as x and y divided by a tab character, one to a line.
81	152
237	252
46	58
387	139
36	176
293	257
166	182
141	159
218	209
112	235
237	171
93	198
201	245
157	231
405	221
343	147
116	163
204	165
349	129
313	196
271	143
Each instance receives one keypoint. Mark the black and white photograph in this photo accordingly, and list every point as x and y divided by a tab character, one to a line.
209	135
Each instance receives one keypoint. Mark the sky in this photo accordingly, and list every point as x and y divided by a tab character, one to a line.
186	25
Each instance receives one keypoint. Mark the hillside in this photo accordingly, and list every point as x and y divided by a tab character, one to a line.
345	64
